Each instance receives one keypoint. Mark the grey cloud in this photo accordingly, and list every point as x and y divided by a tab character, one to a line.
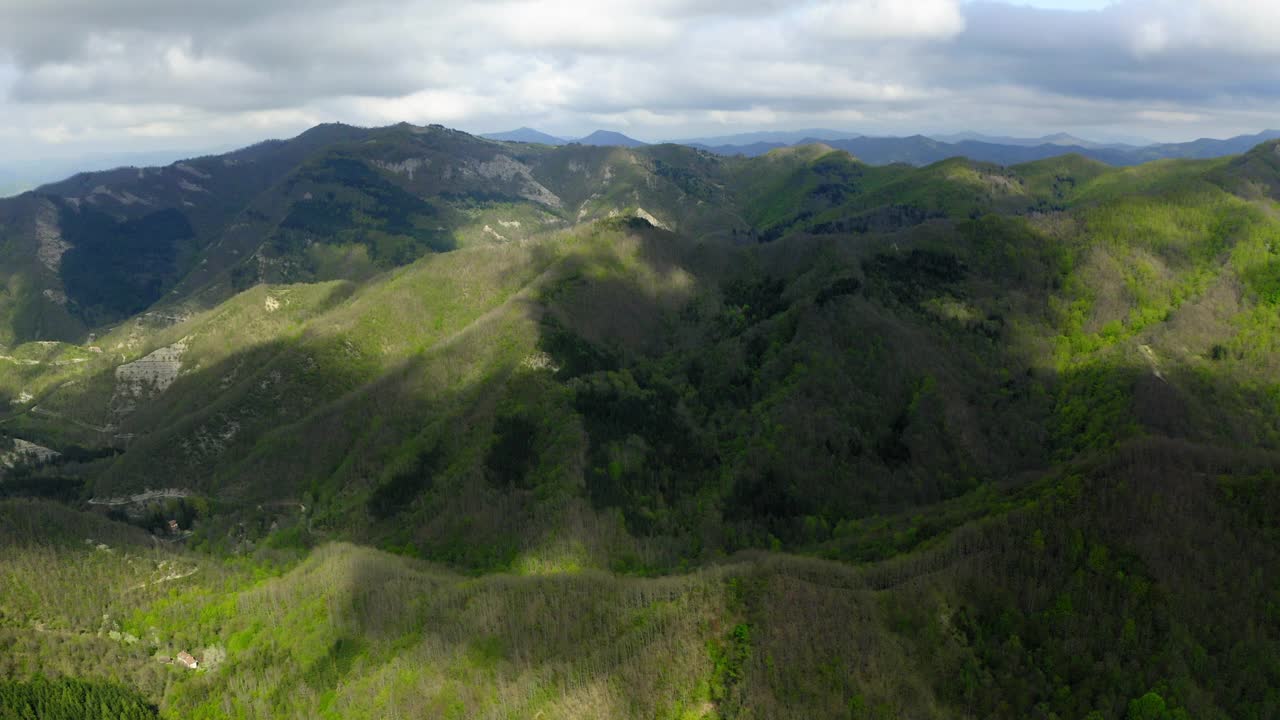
1096	55
90	69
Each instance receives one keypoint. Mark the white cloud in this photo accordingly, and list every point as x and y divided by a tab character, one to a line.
1236	27
1166	117
1150	38
887	19
148	73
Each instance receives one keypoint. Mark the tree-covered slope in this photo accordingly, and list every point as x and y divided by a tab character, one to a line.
1011	431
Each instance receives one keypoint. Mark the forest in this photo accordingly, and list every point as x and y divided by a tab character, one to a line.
474	429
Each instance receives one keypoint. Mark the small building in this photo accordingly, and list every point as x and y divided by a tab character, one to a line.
173	526
186	660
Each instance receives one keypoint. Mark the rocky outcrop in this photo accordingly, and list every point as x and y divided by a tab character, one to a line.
147	377
644	215
27	453
508	169
404	167
49	236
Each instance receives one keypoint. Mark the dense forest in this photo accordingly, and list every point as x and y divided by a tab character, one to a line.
407	423
43	699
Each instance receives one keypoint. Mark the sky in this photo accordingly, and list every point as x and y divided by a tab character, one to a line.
79	77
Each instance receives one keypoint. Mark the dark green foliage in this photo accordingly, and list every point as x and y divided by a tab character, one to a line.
82	454
886	219
757	298
513	452
115	269
180	510
349	202
914	276
395	494
1026	417
838	288
328	671
765	497
1087	606
687	179
52	487
1094	409
573	353
70	699
1007	249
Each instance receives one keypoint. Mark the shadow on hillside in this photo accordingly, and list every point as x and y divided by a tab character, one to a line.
644	401
410	454
832	409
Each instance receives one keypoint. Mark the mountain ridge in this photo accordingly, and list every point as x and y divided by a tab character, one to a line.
525	134
609	137
598	431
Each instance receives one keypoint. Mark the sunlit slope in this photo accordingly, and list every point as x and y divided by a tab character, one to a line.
477	389
1083	581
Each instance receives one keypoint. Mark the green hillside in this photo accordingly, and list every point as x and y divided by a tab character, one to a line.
451	427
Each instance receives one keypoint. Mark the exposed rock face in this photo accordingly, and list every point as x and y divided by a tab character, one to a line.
27	452
147	377
49	235
184	167
211	439
405	167
124	198
146	496
508	169
644	215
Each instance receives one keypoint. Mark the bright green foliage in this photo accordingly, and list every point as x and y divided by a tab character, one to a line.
1028	417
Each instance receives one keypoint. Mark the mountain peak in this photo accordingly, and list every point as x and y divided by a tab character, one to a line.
524	134
608	137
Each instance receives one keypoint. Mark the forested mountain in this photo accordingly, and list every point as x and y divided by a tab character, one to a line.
608	137
525	134
454	427
921	150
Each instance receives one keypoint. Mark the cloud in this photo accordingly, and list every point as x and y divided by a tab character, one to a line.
149	72
887	19
1233	27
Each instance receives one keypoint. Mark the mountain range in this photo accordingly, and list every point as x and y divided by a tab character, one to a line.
405	422
916	150
922	150
17	176
599	137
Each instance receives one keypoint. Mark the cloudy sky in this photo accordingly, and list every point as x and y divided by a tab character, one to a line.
131	75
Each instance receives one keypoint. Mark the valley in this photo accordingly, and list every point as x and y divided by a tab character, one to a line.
403	422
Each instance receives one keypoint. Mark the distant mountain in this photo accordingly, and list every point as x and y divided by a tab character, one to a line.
752	150
1063	139
1204	147
607	137
577	432
922	150
525	135
19	176
772	137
